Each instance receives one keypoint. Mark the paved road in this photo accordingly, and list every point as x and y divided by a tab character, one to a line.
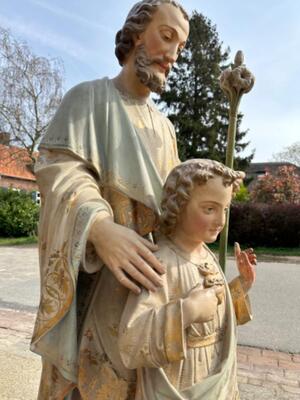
262	375
19	277
275	298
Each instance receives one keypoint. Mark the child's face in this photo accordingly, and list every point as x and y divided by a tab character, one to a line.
204	216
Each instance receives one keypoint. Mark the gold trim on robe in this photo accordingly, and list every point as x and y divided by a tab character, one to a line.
241	302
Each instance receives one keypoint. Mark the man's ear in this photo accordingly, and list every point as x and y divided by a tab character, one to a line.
137	39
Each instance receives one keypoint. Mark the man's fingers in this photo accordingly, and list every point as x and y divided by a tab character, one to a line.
147	270
148	244
135	274
151	260
122	278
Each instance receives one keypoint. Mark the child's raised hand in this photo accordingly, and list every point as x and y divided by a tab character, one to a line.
246	261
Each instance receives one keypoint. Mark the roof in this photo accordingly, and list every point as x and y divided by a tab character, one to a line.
256	168
14	163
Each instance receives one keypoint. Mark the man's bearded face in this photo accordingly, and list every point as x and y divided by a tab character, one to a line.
155	81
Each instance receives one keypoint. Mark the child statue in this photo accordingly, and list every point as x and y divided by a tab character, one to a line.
181	338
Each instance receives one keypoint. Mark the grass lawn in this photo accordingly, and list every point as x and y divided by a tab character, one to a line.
268	251
276	251
18	241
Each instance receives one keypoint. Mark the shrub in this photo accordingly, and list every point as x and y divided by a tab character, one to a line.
256	224
18	214
243	194
281	187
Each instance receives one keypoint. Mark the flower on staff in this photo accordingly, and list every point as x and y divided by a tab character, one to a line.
237	79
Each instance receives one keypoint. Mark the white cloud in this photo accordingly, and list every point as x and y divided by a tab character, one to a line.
71	16
46	38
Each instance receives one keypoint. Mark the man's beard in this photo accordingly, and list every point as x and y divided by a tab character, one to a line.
147	77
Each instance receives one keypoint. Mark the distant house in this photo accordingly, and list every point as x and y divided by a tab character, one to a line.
15	169
257	170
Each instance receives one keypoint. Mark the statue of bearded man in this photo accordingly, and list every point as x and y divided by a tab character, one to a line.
102	165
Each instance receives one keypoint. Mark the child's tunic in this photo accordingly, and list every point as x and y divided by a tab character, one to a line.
173	362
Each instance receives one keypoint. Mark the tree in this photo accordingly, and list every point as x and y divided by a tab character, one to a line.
30	92
290	154
193	98
282	187
19	214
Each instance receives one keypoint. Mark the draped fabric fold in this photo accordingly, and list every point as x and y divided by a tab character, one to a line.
93	124
92	160
71	199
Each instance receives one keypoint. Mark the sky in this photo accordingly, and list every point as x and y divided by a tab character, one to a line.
81	33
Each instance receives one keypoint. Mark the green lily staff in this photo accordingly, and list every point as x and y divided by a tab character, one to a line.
234	81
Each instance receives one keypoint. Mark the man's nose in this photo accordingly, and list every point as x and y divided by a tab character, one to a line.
172	54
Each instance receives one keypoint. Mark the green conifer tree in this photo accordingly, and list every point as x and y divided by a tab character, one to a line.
194	101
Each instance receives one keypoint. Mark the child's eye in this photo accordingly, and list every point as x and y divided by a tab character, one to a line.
209	210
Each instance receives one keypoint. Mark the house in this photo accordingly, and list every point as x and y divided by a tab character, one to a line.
257	170
15	169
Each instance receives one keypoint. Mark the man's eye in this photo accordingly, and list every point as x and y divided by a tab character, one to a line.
167	37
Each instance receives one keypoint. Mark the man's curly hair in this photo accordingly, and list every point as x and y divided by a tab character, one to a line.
136	22
181	181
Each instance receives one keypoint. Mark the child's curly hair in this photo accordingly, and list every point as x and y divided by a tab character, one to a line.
181	182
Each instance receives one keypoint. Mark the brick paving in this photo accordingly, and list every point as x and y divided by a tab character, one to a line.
19	367
267	375
262	374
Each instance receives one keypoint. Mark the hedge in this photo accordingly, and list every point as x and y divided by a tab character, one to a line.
256	224
251	224
18	214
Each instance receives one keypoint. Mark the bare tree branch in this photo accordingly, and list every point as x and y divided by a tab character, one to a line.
290	154
30	92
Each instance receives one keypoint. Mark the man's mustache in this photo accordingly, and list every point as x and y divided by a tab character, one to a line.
158	60
162	61
145	61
